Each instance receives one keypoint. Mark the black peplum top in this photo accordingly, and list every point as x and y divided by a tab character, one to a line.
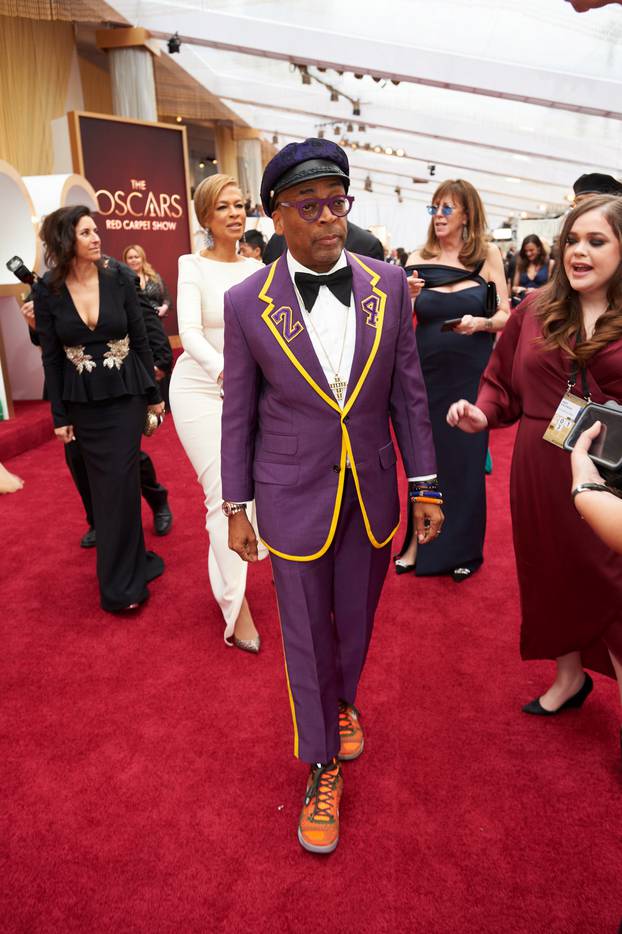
85	364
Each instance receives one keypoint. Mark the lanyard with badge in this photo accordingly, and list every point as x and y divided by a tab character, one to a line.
569	408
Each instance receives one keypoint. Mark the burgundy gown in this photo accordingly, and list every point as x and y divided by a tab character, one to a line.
570	582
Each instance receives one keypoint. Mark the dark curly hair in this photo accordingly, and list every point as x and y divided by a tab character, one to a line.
58	233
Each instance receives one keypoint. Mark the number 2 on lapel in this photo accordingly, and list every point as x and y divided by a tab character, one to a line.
283	317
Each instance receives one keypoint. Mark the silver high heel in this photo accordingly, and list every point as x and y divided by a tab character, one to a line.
247	645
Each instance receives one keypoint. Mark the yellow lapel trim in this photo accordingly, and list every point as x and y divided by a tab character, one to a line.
370	534
375	278
263	295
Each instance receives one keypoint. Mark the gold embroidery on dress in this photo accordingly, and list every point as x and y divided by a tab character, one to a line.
117	353
81	360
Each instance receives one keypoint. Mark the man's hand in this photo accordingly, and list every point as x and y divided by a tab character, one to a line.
428	522
242	538
584	469
466	417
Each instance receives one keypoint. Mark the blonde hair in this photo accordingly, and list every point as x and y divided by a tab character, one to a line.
148	270
207	194
475	247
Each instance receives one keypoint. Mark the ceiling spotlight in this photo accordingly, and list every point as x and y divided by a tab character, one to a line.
214	161
395	81
340	73
367	146
542	207
320	133
356	109
398	190
174	44
319	68
178	119
350	128
202	164
334	95
337	130
362	127
304	74
376	78
388	151
431	170
275	139
355	145
377	148
359	76
368	185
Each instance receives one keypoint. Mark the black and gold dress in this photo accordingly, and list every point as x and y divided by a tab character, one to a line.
100	380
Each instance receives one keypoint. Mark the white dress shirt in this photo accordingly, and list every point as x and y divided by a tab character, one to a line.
326	325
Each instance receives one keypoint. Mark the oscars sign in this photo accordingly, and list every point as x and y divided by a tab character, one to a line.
139	172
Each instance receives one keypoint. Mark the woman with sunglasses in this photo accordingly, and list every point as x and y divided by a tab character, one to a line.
197	383
450	280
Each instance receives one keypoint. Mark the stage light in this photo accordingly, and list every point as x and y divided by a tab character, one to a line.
174	44
275	139
367	146
320	133
304	74
376	78
395	81
368	185
214	161
356	109
377	148
388	151
400	152
362	128
201	164
398	190
542	207
337	130
432	170
319	68
350	128
359	76
334	95
178	119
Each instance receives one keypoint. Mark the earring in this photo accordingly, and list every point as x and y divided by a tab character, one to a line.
209	240
465	232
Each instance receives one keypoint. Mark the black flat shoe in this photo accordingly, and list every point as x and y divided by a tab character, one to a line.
460	574
89	539
535	707
162	520
404	568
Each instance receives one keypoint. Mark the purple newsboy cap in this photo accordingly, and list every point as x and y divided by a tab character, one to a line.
297	162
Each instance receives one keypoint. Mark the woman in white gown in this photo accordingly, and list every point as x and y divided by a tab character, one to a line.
195	393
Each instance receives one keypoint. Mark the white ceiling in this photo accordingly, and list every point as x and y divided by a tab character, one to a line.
520	98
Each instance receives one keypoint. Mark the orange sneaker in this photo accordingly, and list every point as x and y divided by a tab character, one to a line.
350	732
318	828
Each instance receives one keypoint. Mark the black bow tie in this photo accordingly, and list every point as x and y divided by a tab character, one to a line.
340	284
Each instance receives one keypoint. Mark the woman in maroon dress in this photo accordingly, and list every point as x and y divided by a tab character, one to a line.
570	582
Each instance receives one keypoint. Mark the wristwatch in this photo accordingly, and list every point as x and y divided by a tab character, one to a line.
230	509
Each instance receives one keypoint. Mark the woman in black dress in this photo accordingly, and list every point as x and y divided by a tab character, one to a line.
450	281
151	282
99	378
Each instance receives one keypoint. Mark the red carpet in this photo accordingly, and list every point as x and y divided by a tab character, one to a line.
31	426
148	781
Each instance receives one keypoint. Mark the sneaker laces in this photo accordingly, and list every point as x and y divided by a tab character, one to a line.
346	724
322	788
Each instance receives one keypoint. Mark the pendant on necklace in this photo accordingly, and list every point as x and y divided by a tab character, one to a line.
338	387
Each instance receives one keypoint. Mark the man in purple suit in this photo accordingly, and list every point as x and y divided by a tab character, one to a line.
319	354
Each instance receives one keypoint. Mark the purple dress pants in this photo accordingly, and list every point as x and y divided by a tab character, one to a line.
327	609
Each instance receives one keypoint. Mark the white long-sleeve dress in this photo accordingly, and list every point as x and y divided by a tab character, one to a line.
197	408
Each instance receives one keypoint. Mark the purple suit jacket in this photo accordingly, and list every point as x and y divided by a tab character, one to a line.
284	437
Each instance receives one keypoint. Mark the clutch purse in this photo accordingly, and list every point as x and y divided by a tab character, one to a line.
152	422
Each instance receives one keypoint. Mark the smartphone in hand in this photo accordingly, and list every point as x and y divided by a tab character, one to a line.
450	324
